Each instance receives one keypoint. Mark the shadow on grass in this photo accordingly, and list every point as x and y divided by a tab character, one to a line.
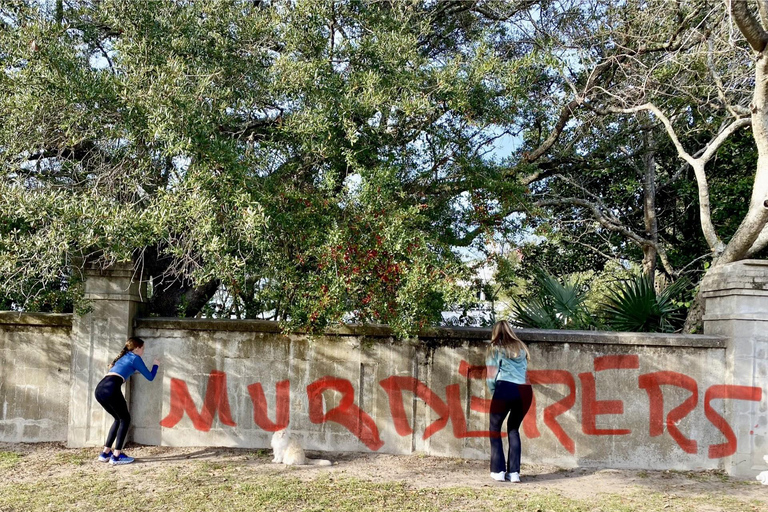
221	454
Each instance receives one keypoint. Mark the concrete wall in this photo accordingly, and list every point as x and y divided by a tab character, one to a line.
35	353
115	297
602	399
736	298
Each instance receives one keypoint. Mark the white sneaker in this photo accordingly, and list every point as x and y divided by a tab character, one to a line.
499	477
513	477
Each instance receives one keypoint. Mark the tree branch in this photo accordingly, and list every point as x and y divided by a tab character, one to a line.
735	111
710	234
611	223
752	30
760	243
597	72
762	8
603	219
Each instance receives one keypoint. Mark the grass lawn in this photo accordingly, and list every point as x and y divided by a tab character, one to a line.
72	480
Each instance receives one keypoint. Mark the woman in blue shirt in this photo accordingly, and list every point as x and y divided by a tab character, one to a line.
511	395
109	394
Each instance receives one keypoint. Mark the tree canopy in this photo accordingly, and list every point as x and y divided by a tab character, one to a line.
321	160
310	157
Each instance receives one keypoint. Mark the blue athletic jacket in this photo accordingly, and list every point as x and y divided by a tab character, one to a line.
509	369
129	364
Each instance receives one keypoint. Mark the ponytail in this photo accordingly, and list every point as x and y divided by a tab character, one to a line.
132	343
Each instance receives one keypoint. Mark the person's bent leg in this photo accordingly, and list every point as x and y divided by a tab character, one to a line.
118	457
109	394
121	408
499	410
105	395
523	396
497	447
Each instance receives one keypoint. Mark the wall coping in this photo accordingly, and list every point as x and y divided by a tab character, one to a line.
743	277
445	334
36	319
439	334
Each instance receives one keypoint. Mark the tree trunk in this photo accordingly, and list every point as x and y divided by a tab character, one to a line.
757	215
754	222
172	296
179	299
694	320
649	206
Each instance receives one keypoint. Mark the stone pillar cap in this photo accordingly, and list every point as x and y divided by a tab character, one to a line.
748	275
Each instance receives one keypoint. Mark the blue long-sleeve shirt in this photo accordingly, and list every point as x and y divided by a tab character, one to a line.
131	363
509	369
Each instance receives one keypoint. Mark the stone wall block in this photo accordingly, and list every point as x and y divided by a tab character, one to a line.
115	295
736	304
34	376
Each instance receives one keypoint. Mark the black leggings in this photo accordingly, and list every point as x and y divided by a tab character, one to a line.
109	394
515	400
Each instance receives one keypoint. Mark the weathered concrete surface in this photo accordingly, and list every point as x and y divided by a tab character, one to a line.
115	296
609	414
736	302
34	376
622	400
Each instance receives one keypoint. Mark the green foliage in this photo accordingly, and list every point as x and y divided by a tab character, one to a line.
633	305
617	299
601	282
554	305
313	161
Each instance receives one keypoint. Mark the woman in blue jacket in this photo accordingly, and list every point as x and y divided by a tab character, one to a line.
109	394
511	395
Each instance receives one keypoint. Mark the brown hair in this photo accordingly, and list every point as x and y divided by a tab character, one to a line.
132	343
504	340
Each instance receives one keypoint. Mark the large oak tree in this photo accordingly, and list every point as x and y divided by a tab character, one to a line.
312	159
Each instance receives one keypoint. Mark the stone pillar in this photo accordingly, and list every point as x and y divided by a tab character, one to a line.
736	306
115	295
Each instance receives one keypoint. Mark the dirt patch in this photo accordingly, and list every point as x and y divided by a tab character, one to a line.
416	471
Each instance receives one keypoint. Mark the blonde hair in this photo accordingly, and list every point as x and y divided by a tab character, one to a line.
504	340
132	343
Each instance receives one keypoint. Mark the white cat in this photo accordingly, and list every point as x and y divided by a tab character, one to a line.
288	451
763	477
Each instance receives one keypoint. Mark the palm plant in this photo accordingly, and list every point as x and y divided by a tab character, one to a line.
555	305
633	305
